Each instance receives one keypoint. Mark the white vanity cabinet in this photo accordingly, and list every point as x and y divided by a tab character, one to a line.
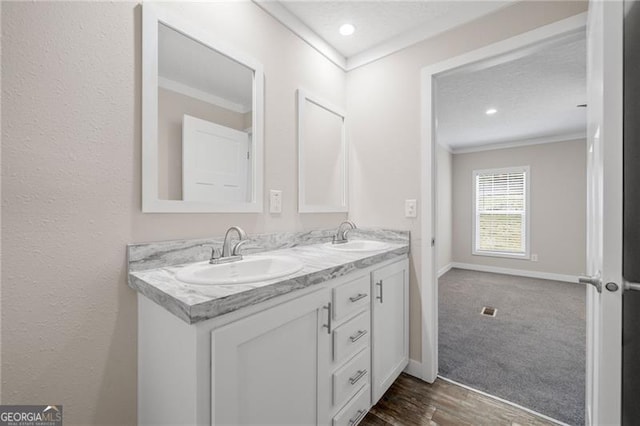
271	367
390	323
321	355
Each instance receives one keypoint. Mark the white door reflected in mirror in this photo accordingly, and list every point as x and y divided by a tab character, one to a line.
322	161
202	120
215	162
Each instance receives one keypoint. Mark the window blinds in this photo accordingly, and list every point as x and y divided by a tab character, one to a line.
501	211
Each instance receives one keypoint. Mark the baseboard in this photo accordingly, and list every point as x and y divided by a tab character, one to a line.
446	268
513	404
516	272
414	368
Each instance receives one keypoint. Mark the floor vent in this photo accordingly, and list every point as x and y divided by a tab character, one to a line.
489	311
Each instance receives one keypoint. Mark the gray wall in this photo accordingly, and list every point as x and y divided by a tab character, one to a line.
558	205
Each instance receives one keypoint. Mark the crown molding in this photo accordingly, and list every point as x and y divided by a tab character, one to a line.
183	89
299	28
280	13
520	143
472	12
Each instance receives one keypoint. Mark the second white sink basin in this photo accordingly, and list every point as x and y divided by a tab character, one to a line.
248	270
359	245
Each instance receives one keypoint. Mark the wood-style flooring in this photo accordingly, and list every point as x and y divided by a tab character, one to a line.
410	401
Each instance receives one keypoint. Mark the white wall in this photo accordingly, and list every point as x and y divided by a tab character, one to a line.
383	103
444	226
558	205
71	120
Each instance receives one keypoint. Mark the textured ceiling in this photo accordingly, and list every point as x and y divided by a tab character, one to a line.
535	95
193	64
380	21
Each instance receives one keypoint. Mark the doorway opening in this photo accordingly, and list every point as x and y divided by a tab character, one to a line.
511	226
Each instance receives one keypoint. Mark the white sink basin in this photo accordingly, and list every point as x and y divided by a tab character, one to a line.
359	245
248	270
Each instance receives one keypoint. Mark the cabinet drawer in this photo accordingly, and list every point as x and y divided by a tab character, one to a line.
351	378
351	337
355	410
351	296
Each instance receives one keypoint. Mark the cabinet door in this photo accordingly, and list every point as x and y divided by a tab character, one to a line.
273	367
390	344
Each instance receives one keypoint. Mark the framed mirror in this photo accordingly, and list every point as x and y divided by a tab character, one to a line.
202	115
322	156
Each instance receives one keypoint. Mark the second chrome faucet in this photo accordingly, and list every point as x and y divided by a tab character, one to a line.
230	252
341	234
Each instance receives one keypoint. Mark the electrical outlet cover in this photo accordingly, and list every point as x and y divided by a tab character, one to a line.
411	208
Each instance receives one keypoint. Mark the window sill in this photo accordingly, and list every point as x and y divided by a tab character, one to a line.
522	256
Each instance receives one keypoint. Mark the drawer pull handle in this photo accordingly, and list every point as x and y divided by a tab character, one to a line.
356	419
358	297
379	283
359	375
358	335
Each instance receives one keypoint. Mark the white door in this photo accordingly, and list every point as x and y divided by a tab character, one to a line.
604	212
272	368
215	162
390	344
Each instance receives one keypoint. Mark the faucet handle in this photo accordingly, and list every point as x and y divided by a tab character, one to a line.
236	248
216	253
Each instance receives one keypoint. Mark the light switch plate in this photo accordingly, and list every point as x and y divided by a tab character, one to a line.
411	208
534	257
275	201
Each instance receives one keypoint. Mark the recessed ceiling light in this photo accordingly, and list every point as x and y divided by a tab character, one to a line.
347	29
491	111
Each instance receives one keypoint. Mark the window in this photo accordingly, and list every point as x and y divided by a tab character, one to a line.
501	212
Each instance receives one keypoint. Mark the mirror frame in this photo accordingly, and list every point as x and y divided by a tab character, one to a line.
152	16
304	96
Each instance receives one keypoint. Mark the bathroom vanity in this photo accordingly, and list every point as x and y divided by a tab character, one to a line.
319	346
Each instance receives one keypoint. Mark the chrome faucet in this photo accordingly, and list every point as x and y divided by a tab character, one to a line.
229	252
341	234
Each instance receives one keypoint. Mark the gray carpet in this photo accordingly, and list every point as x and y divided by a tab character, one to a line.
532	353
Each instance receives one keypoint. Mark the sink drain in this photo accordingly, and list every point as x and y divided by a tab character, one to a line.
489	311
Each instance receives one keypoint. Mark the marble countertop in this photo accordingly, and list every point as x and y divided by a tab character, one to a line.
195	303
